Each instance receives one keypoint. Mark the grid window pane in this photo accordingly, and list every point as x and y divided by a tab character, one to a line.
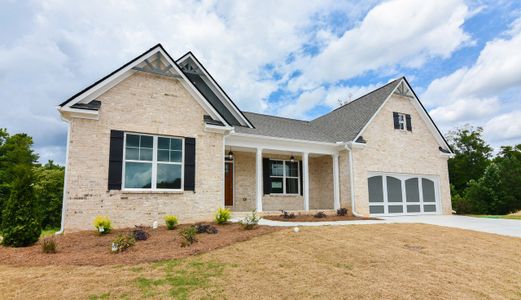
395	209
176	156
394	189
292	169
429	208
428	190
291	185
132	140
277	168
176	144
413	208
138	175
145	154
376	209
376	189
412	193
163	155
146	141
132	153
168	176
276	186
163	143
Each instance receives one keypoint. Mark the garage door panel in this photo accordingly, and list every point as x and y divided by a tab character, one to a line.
413	208
376	189
412	190
428	190
394	189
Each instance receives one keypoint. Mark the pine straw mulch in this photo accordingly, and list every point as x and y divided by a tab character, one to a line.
311	218
89	248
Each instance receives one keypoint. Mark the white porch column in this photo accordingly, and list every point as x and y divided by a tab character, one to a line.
336	183
260	188
305	180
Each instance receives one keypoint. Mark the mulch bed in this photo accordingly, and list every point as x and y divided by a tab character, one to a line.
89	248
311	218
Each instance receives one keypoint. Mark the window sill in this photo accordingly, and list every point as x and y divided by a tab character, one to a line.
151	192
284	195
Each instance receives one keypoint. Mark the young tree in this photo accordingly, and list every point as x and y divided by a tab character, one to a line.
486	194
4	186
20	225
472	156
48	190
509	162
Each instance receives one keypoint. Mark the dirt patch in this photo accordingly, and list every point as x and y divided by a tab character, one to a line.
89	248
311	218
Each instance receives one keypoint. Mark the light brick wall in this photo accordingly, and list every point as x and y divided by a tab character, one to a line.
147	104
321	182
395	151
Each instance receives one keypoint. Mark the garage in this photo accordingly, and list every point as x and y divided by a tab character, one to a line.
403	194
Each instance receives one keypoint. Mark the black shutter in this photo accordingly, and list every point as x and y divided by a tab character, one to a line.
266	179
189	184
408	122
115	159
300	177
396	120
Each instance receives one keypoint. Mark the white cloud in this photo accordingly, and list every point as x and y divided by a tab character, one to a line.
504	127
398	32
465	109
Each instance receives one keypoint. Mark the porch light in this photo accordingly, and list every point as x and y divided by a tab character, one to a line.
292	158
230	154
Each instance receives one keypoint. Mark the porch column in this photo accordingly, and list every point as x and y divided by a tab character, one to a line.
305	180
258	169
336	183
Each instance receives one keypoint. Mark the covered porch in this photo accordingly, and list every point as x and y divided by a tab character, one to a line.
275	175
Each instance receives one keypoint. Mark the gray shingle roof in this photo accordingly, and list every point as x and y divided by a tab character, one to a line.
341	125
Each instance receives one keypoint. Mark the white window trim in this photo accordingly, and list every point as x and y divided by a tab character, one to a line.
402	123
284	177
154	163
404	203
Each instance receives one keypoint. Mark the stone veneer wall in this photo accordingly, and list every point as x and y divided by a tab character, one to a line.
390	150
150	104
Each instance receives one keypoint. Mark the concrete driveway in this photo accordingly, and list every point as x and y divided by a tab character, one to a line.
497	226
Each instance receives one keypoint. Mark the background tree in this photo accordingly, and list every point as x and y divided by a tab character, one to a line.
48	190
20	223
472	156
4	184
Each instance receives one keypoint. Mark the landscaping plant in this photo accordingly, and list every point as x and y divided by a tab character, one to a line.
140	234
320	215
49	245
287	215
250	221
206	228
341	212
122	242
189	236
171	222
102	224
223	215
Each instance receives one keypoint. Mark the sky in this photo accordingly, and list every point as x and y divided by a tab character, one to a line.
296	59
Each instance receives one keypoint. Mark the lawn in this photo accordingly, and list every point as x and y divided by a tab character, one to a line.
390	261
511	217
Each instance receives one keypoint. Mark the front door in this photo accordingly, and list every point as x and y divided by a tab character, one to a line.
228	183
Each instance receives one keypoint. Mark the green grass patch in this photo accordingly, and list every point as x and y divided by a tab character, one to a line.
181	278
510	217
48	232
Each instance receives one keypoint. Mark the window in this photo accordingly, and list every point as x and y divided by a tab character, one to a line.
284	175
152	162
401	121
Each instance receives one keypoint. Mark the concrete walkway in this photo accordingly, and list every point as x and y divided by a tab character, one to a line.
498	226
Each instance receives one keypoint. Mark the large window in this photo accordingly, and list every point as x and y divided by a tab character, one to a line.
284	175
153	162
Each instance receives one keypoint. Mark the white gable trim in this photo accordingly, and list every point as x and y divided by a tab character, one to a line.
217	88
101	87
421	111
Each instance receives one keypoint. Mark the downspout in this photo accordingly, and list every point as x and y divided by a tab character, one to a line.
64	197
352	180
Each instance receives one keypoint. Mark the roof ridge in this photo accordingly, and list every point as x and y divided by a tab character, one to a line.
359	98
272	116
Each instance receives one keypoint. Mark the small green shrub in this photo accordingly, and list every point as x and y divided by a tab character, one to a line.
223	215
49	245
171	222
102	224
250	221
341	212
122	242
189	236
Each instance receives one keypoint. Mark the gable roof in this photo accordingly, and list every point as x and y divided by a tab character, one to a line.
346	122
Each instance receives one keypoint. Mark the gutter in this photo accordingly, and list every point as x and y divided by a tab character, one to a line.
349	147
64	197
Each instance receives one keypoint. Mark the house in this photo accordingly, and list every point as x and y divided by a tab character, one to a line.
160	136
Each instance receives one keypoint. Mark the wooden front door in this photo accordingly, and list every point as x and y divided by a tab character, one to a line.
228	183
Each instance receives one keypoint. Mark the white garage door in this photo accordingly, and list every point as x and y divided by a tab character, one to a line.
401	194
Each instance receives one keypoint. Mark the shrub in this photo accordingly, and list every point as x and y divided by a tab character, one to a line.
171	222
20	224
250	221
320	215
222	216
140	234
287	215
49	245
189	236
122	242
206	228
341	211
102	224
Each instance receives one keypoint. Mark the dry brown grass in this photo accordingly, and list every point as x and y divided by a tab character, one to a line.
389	261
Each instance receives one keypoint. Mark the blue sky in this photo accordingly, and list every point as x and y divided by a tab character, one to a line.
296	59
